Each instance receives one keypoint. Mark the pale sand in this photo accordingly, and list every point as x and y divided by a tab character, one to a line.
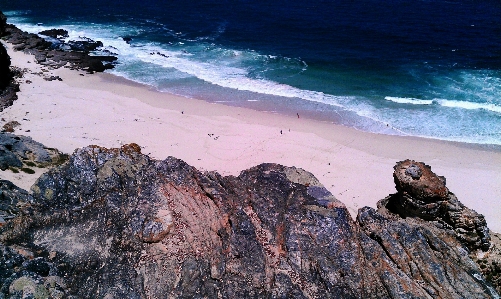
355	166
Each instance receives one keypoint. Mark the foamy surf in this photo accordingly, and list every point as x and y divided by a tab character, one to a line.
412	101
447	103
419	99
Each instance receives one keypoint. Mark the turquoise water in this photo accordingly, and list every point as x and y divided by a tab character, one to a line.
420	68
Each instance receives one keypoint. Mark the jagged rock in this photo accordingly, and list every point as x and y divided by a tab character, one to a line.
86	46
9	95
52	78
490	262
5	74
8	158
117	224
423	194
28	277
55	33
127	39
422	254
58	54
12	200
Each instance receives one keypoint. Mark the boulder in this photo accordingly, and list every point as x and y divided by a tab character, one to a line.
421	193
23	152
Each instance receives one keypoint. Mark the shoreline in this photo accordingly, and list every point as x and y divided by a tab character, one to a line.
356	166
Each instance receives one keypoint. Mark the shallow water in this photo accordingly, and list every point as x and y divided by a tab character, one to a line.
422	68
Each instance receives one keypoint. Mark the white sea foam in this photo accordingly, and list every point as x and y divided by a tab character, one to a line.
247	70
226	73
469	105
447	103
413	101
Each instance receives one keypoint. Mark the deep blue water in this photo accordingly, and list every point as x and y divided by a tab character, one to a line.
422	68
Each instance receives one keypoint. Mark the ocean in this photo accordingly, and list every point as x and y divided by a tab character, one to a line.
419	68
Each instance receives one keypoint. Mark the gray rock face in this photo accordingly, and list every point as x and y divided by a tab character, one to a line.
426	196
18	151
116	224
12	199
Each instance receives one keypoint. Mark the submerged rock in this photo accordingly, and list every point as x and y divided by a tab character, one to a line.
115	223
55	33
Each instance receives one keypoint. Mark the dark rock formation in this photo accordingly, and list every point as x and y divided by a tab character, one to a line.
58	54
12	200
55	33
86	45
5	74
113	223
490	262
3	24
23	152
46	53
8	86
127	39
54	55
423	194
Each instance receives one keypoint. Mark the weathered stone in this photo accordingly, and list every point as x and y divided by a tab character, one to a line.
117	224
8	87
12	200
418	181
10	126
59	53
3	24
490	262
422	255
423	194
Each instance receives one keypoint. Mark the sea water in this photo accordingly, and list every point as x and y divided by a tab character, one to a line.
420	68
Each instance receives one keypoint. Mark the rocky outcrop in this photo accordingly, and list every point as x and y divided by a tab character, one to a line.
76	53
52	54
3	24
490	262
55	33
5	74
21	153
8	86
58	53
423	194
113	223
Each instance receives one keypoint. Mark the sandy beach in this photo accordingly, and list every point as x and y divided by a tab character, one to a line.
355	166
